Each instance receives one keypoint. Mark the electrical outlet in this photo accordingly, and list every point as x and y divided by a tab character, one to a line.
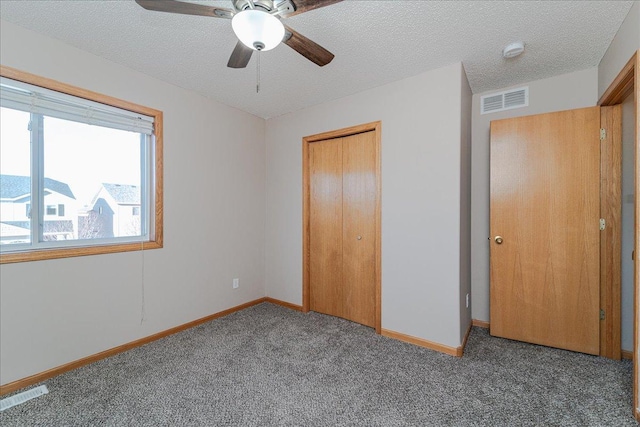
236	283
467	300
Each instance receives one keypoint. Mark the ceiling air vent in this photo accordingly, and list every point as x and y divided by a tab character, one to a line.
510	99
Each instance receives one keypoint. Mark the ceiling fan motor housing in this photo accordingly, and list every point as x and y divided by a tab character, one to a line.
282	6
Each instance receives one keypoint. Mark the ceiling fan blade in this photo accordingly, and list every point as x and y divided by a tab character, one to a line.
307	5
240	56
307	48
174	6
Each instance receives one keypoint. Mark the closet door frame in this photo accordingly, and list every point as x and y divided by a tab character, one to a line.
375	127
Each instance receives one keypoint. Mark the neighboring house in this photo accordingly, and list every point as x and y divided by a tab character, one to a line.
60	210
13	234
114	212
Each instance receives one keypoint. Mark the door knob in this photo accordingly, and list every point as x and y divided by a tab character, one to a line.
498	240
359	237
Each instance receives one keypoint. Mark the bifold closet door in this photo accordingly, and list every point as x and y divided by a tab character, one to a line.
325	227
342	231
359	228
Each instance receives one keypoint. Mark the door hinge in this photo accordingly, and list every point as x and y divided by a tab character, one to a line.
603	134
601	314
603	224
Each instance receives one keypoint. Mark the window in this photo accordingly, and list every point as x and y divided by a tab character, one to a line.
80	173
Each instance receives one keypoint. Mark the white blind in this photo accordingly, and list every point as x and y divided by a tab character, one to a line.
37	100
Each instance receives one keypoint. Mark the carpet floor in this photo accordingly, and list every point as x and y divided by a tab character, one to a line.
271	366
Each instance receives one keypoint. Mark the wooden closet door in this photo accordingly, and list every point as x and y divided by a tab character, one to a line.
545	237
359	228
342	227
325	227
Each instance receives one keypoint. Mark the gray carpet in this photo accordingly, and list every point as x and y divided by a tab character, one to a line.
271	366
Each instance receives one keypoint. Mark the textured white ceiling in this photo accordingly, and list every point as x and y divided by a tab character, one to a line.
375	42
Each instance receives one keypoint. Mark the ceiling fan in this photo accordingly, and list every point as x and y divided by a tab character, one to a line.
257	24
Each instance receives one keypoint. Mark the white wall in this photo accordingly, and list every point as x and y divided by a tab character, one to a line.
53	312
465	204
623	45
421	144
564	92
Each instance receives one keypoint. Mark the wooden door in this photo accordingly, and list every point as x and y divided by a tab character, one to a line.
545	205
325	227
359	227
342	227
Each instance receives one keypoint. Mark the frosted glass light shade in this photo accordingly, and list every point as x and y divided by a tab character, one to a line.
257	29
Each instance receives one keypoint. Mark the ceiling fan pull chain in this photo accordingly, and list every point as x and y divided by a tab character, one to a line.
258	73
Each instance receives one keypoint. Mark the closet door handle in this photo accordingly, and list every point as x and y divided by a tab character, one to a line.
359	237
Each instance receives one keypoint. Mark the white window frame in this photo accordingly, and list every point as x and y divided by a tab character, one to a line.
114	113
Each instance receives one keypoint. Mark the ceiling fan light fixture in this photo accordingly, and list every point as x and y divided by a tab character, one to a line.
257	29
